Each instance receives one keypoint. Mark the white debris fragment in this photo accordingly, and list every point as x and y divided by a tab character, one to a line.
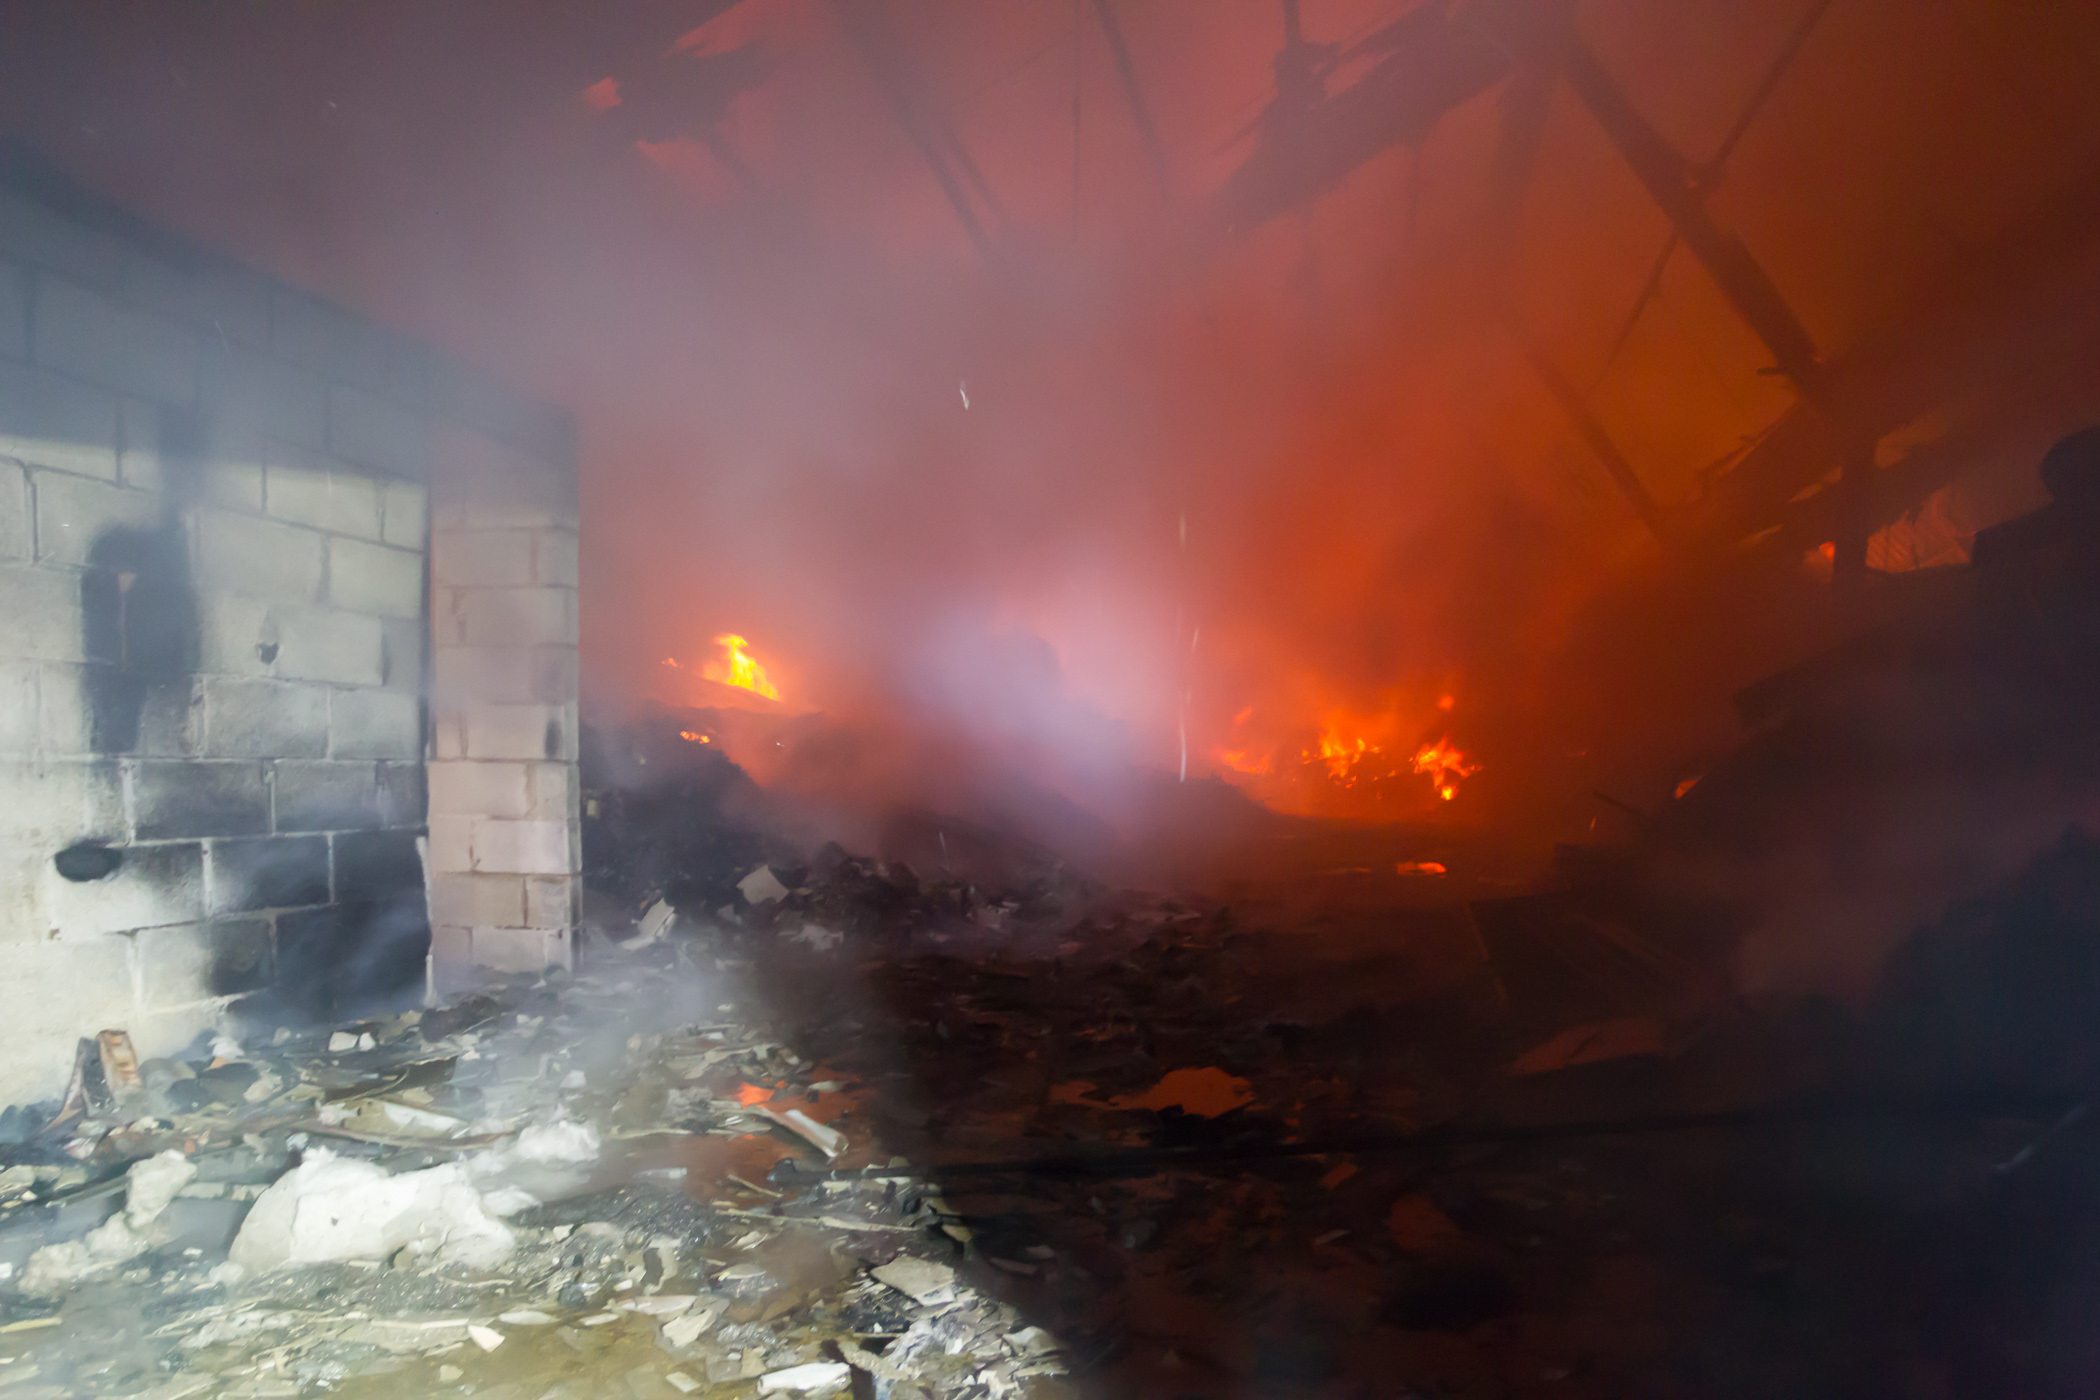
685	1329
684	1383
448	1373
525	1317
661	1305
921	1280
342	1041
559	1141
829	1141
487	1338
807	1379
761	886
653	925
816	937
57	1267
331	1208
225	1047
152	1183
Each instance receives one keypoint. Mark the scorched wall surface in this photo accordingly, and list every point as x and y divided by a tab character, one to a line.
215	633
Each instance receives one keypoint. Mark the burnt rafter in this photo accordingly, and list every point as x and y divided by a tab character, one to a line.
2022	310
919	115
1311	142
1134	94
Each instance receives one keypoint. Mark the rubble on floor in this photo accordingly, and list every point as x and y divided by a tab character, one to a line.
984	1143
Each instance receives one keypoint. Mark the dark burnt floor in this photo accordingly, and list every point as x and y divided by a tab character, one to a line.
1905	1252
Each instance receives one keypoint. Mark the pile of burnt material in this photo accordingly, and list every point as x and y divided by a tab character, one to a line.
665	814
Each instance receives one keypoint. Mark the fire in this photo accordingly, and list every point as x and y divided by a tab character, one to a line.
1445	765
739	668
1421	867
1241	761
1340	755
692	738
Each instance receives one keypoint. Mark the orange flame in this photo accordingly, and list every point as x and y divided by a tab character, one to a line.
1421	867
1241	761
739	668
1445	765
692	738
1340	755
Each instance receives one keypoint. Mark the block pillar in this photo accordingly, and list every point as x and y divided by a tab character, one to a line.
505	831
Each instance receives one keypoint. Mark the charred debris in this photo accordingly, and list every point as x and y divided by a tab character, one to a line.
805	1122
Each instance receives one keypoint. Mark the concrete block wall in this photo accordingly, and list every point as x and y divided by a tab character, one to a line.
215	542
505	849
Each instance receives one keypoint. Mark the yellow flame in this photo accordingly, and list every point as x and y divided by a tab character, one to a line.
739	668
1445	766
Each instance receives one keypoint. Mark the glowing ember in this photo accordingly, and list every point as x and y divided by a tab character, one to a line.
1447	703
750	1094
692	738
739	668
1421	867
1686	786
1445	766
1240	761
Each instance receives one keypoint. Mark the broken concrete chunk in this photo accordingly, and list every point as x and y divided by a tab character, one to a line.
342	1041
761	886
152	1183
684	1330
487	1338
684	1383
331	1208
809	1379
921	1280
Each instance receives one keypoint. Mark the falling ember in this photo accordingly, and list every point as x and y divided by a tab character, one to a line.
1445	765
692	738
672	662
1686	786
739	668
1421	867
1447	703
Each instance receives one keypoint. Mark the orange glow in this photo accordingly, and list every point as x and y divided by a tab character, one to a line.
1341	755
750	1094
1686	786
1447	703
739	668
1445	765
691	738
1240	761
672	662
603	95
1421	867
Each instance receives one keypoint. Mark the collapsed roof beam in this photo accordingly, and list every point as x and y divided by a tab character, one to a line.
1134	94
930	132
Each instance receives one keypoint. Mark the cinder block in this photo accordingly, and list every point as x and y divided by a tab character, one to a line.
327	644
374	724
481	558
265	718
374	867
371	578
405	512
365	428
155	885
64	717
478	482
17	521
89	335
74	512
553	786
138	445
14	312
264	394
402	642
304	329
516	731
554	675
52	422
231	474
463	675
258	558
58	989
307	488
268	872
40	237
481	789
525	847
554	558
236	636
451	951
519	949
21	725
507	617
228	306
172	716
451	843
173	799
495	900
403	800
448	734
43	612
51	803
327	796
551	901
194	962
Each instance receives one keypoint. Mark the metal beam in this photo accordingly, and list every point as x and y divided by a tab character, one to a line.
1134	94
